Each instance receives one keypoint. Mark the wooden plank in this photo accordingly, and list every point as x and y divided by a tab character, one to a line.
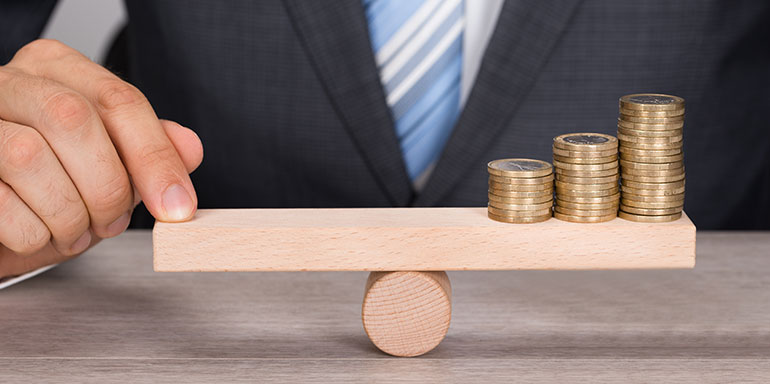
404	239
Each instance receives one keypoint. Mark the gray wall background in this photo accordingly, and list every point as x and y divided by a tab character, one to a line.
86	25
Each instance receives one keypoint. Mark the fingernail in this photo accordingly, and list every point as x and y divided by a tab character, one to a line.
177	203
82	243
118	226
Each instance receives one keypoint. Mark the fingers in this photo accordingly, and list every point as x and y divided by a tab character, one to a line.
27	241
14	264
152	161
72	138
75	133
187	144
32	170
22	231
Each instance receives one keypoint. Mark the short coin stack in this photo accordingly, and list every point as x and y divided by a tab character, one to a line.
520	190
651	158
586	168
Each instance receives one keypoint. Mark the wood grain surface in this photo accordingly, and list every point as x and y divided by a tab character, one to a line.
407	313
107	317
411	239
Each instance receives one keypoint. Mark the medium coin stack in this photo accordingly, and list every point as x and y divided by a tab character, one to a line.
520	190
586	168
651	158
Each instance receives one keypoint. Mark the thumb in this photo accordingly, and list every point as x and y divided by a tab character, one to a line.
186	142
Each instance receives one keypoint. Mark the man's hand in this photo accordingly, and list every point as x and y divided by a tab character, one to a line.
78	147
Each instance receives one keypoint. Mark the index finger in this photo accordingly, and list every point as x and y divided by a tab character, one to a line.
153	163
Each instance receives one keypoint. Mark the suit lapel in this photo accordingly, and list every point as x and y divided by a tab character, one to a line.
336	38
526	32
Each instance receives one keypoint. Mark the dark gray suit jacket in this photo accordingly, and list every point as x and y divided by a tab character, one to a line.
286	97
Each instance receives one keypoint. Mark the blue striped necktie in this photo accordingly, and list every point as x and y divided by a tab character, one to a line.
418	49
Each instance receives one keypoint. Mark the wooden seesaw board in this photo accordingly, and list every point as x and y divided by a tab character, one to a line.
411	239
407	305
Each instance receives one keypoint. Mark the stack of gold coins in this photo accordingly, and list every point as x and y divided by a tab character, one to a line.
520	190
586	168
651	158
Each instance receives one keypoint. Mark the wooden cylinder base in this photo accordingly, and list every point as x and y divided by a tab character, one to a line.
407	313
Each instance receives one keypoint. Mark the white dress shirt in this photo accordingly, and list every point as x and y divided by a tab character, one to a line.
480	21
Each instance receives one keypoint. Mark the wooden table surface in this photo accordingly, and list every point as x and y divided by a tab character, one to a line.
107	317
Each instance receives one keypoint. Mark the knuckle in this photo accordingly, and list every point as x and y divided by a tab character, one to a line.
33	239
26	235
67	111
72	226
23	149
43	49
115	94
115	195
64	213
152	155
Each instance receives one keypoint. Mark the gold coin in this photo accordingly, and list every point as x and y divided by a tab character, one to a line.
580	187
580	212
570	195
663	205
560	193
651	192
588	180
519	219
642	113
649	140
584	219
519	168
652	179
588	200
578	173
517	213
643	172
585	167
522	180
520	200
651	102
521	188
520	194
649	152
584	153
652	120
652	146
588	206
649	219
651	127
652	159
653	199
627	164
649	211
585	142
521	207
649	133
653	185
586	160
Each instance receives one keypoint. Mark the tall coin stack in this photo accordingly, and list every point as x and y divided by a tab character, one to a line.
651	158
586	168
520	190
